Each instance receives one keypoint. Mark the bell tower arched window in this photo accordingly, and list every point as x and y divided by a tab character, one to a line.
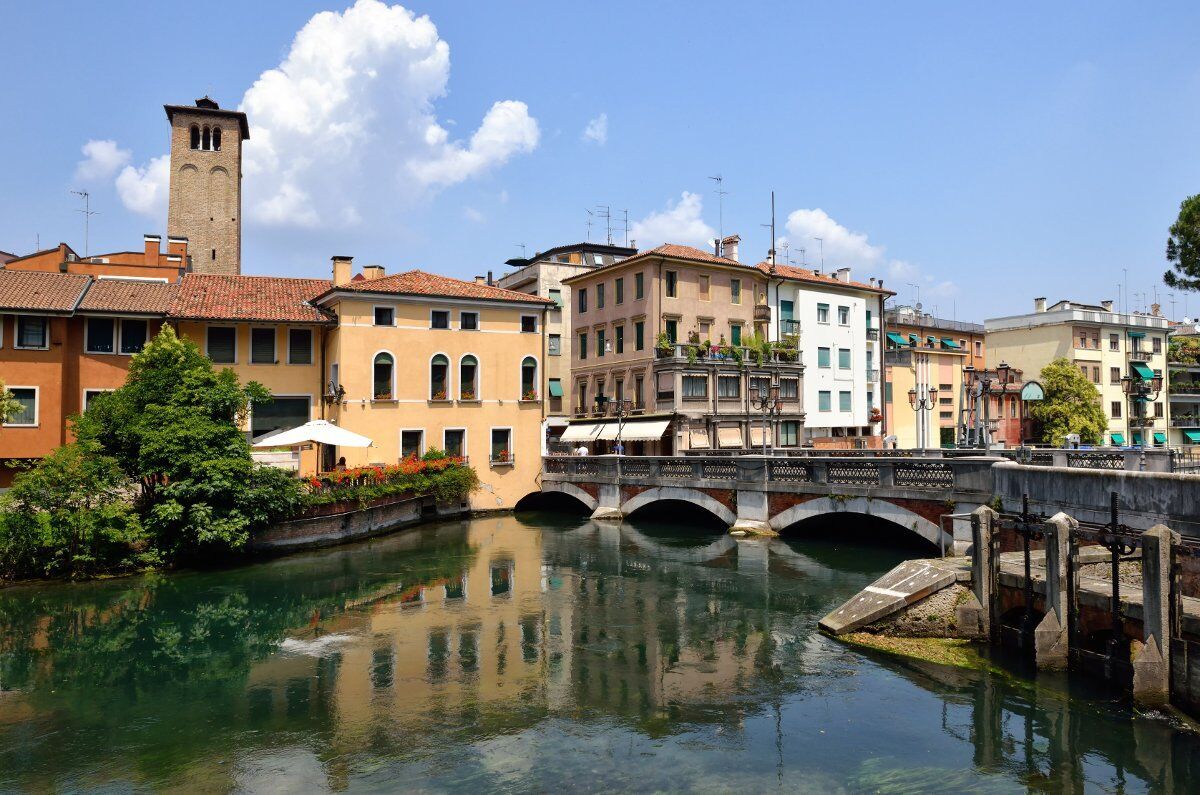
195	137
207	140
216	139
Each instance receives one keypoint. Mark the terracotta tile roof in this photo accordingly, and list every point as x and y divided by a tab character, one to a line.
806	275
683	252
41	292
264	298
128	296
422	283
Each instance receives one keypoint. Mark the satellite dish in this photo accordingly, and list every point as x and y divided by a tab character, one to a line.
918	307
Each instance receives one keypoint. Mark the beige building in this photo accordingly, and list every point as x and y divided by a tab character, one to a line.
205	196
1105	345
666	329
420	361
543	275
923	390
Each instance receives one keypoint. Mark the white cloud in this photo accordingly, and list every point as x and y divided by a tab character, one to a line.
101	160
679	223
345	126
473	215
596	130
144	189
846	248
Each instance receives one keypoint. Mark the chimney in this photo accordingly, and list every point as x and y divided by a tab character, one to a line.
481	280
489	279
872	281
843	275
1039	305
178	246
729	247
152	243
1156	310
342	270
1108	305
372	272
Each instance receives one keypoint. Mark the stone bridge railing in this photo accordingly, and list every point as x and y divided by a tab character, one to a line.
1158	459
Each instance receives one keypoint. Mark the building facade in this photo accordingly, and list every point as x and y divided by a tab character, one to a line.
836	323
667	330
543	275
418	361
924	381
1106	346
205	194
1183	385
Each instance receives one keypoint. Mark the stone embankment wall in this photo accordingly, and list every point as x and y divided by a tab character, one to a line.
340	523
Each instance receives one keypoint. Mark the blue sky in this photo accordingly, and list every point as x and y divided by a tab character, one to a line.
988	154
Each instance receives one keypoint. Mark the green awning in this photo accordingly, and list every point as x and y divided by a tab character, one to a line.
556	387
1143	372
1118	439
1137	335
931	340
914	339
897	339
1160	438
949	343
1137	438
1192	436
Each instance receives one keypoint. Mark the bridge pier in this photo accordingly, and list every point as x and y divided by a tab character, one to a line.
753	514
1050	637
608	503
1151	671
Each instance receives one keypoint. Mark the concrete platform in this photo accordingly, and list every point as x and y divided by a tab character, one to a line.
909	582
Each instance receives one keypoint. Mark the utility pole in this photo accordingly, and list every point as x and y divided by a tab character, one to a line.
88	212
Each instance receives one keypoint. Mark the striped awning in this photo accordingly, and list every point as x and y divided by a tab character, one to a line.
634	430
581	432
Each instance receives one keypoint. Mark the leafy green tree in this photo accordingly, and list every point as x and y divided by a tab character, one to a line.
173	429
1183	246
70	516
1071	405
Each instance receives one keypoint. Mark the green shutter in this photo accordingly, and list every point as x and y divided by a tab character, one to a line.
556	389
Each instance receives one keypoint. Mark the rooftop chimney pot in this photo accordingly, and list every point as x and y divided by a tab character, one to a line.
342	269
1039	305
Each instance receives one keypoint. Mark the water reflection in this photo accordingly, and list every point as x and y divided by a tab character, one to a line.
528	653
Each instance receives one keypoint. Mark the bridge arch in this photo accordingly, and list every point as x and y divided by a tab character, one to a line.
569	489
681	494
878	508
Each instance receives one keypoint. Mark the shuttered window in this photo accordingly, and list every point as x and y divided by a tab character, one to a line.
262	346
222	344
300	346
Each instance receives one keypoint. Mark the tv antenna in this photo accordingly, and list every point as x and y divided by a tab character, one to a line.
626	212
803	259
821	240
771	226
721	194
88	212
522	247
605	212
589	224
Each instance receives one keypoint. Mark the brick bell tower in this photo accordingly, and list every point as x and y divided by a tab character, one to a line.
206	184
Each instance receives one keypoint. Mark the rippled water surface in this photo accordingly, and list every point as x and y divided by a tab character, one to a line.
531	653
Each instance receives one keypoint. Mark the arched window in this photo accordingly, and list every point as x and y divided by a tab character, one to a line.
384	369
216	139
195	137
439	377
207	141
529	378
468	378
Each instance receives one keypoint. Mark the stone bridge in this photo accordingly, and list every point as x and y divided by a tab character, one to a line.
764	496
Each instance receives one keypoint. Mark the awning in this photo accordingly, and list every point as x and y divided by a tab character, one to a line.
583	432
897	339
1192	436
1137	335
556	387
319	431
1160	438
637	431
1137	438
757	433
949	343
556	422
931	340
1118	439
1143	372
697	439
729	438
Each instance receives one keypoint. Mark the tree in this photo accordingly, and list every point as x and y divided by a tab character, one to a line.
1071	405
1183	247
173	429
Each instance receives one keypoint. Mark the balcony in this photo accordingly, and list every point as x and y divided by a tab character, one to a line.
873	334
1184	388
1139	355
872	375
1186	421
789	326
762	313
726	355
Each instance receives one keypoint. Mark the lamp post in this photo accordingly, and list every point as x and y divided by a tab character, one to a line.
982	385
921	404
1139	391
766	401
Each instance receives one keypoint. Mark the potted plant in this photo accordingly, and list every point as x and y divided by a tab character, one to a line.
530	394
467	394
876	415
502	457
383	394
663	345
439	395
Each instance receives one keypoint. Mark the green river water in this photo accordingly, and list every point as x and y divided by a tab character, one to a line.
538	652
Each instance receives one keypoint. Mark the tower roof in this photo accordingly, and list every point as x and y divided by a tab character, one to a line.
207	106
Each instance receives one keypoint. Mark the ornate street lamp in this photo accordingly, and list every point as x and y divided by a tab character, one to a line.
766	401
921	404
982	385
1139	392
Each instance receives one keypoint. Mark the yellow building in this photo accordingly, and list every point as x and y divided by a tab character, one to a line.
265	330
1105	345
419	361
923	391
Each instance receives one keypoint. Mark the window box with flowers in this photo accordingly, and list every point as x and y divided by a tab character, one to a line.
502	458
876	415
529	396
468	396
383	394
439	396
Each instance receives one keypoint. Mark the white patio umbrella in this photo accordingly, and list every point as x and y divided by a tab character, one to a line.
318	431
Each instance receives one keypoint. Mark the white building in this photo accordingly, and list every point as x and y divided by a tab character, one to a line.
838	322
